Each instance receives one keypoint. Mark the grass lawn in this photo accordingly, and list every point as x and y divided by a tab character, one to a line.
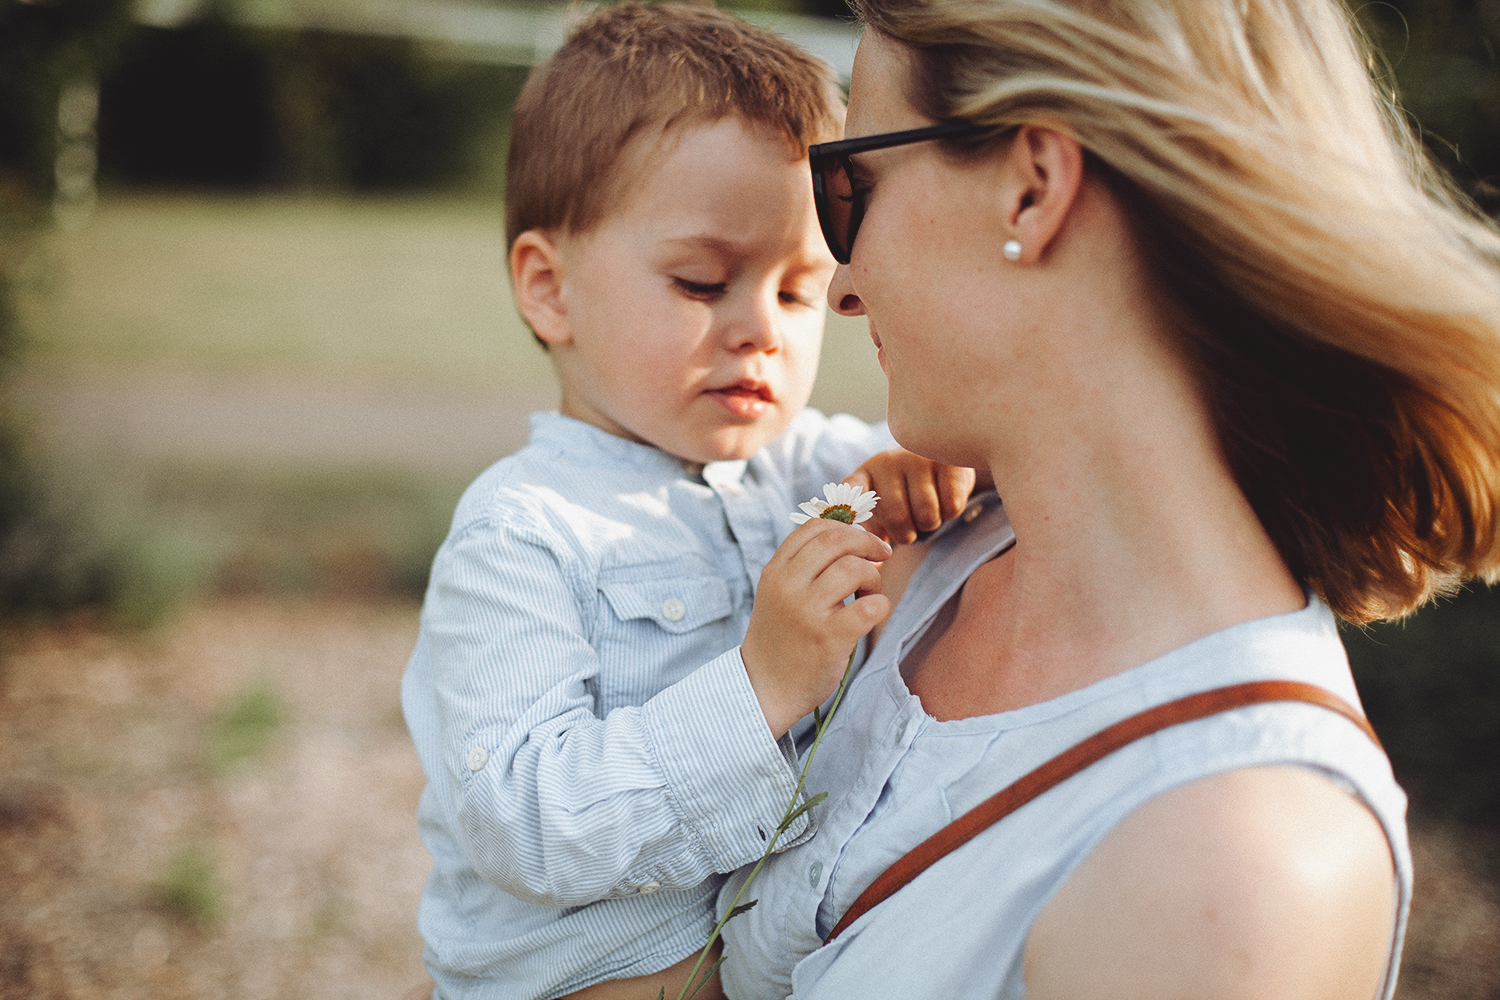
410	292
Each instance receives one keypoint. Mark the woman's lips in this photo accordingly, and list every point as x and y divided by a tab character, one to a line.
745	401
879	351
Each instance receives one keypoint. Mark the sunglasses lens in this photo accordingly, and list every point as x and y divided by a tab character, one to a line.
836	208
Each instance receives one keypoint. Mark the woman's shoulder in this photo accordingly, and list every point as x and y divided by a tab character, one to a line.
1267	881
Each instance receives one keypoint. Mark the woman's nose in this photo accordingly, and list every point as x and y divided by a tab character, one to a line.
842	298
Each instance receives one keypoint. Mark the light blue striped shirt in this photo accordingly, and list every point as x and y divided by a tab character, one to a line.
593	749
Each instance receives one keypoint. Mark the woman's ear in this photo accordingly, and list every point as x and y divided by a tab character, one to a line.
536	274
1044	169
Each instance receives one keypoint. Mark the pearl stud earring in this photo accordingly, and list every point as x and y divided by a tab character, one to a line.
1012	250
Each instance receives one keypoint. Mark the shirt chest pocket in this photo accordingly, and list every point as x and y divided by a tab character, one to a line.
652	633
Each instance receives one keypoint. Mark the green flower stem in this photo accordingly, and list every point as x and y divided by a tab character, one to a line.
793	810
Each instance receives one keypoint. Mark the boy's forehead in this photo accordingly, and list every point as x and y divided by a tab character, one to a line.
649	151
723	188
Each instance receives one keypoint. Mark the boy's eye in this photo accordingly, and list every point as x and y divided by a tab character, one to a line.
791	298
701	289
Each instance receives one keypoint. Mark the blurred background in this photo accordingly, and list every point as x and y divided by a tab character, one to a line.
256	336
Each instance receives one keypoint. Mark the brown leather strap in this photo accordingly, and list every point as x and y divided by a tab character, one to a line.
1075	759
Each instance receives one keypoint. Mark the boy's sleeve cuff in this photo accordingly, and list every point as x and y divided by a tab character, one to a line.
728	779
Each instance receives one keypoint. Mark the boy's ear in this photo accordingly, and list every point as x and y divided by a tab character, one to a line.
536	274
1044	171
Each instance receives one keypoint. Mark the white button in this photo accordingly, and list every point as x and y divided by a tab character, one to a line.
672	609
815	874
733	489
901	733
649	888
974	511
478	758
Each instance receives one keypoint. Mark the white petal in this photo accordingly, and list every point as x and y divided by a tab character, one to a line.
813	508
800	518
838	493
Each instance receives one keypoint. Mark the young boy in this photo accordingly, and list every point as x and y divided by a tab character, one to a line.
596	746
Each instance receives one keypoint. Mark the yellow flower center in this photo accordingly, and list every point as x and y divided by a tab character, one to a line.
839	512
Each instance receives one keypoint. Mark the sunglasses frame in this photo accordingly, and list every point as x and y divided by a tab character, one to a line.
840	151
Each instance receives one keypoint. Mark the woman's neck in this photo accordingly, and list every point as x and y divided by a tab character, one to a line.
1115	564
1127	548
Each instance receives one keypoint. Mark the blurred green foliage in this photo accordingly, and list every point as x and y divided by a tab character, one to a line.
246	727
65	543
190	886
43	45
359	532
211	104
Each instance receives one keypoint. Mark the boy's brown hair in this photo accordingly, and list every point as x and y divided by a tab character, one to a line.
633	71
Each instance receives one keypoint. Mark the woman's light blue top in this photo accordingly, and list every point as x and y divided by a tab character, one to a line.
593	750
896	775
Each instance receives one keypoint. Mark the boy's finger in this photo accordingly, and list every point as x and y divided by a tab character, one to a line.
893	513
816	545
923	499
829	571
863	614
859	479
802	536
954	485
848	575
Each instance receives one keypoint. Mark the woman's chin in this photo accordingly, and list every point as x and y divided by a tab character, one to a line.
932	439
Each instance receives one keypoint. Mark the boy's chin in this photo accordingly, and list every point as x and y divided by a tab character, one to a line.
733	447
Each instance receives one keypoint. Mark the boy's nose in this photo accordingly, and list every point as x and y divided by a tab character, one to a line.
757	328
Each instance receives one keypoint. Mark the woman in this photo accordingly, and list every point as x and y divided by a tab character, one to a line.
1177	275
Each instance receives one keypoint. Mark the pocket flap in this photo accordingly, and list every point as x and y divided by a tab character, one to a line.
679	605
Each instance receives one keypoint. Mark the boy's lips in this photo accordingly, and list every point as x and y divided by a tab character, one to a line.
746	399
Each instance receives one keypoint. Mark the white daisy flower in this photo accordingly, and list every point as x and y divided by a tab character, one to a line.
843	503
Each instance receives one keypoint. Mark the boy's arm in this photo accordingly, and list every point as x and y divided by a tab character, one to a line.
552	803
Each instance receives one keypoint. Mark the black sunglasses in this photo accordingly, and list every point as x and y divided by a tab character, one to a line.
841	206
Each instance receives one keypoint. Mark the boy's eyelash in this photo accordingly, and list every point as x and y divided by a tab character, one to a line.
700	289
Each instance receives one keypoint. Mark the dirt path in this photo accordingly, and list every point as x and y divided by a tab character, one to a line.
276	419
225	810
222	810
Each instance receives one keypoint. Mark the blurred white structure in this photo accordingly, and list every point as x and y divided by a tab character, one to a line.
506	33
74	191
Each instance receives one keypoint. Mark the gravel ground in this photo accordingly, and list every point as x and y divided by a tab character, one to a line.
225	809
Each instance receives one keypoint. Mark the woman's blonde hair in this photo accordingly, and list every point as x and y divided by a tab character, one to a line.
1340	301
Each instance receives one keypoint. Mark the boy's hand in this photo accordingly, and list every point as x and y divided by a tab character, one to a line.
916	494
801	632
